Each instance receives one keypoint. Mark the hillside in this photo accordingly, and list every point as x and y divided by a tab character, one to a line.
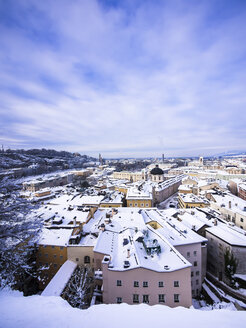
21	158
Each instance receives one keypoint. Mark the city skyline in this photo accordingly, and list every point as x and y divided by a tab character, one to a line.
124	79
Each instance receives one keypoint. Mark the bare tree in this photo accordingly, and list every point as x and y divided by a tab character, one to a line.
79	290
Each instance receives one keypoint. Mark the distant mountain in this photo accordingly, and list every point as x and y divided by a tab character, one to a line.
231	153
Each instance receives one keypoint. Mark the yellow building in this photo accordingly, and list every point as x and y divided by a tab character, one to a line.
139	198
115	200
191	201
49	260
184	189
131	176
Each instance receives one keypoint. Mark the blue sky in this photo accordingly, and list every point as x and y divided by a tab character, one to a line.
123	78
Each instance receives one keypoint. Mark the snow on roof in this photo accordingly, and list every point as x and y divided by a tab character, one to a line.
91	200
63	213
242	186
229	234
237	204
55	237
167	183
138	193
194	219
123	247
113	198
59	281
98	218
128	224
173	230
88	240
191	198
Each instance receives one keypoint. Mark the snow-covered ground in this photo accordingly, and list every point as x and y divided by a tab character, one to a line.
40	311
172	201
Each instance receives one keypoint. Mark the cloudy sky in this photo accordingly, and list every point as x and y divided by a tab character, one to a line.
123	78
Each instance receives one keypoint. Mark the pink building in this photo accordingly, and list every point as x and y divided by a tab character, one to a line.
141	267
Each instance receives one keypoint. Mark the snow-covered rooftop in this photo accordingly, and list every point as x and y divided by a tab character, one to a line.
231	202
55	237
229	234
59	281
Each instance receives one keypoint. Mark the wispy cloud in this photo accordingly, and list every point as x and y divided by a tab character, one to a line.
132	78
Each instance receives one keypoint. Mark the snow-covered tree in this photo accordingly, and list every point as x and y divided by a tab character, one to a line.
79	290
19	227
231	264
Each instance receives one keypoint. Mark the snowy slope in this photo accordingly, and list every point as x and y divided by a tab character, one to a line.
41	311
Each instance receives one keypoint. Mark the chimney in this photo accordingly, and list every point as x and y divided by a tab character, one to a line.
128	252
215	222
229	203
74	221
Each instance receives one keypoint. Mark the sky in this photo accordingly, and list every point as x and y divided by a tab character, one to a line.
123	78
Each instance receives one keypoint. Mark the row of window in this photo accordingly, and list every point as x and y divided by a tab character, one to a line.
55	256
136	205
197	282
197	273
194	253
86	258
146	283
146	299
61	247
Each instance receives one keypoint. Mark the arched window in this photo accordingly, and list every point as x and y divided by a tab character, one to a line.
87	259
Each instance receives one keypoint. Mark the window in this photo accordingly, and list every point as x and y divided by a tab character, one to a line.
147	205
130	204
195	263
136	284
52	246
197	273
61	256
195	253
161	284
135	298
54	255
145	283
136	205
161	298
46	255
197	282
145	298
77	259
87	259
241	219
55	265
61	247
176	298
192	273
176	283
142	205
119	283
188	254
241	227
118	300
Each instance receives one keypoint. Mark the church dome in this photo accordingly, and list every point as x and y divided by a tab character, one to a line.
156	171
